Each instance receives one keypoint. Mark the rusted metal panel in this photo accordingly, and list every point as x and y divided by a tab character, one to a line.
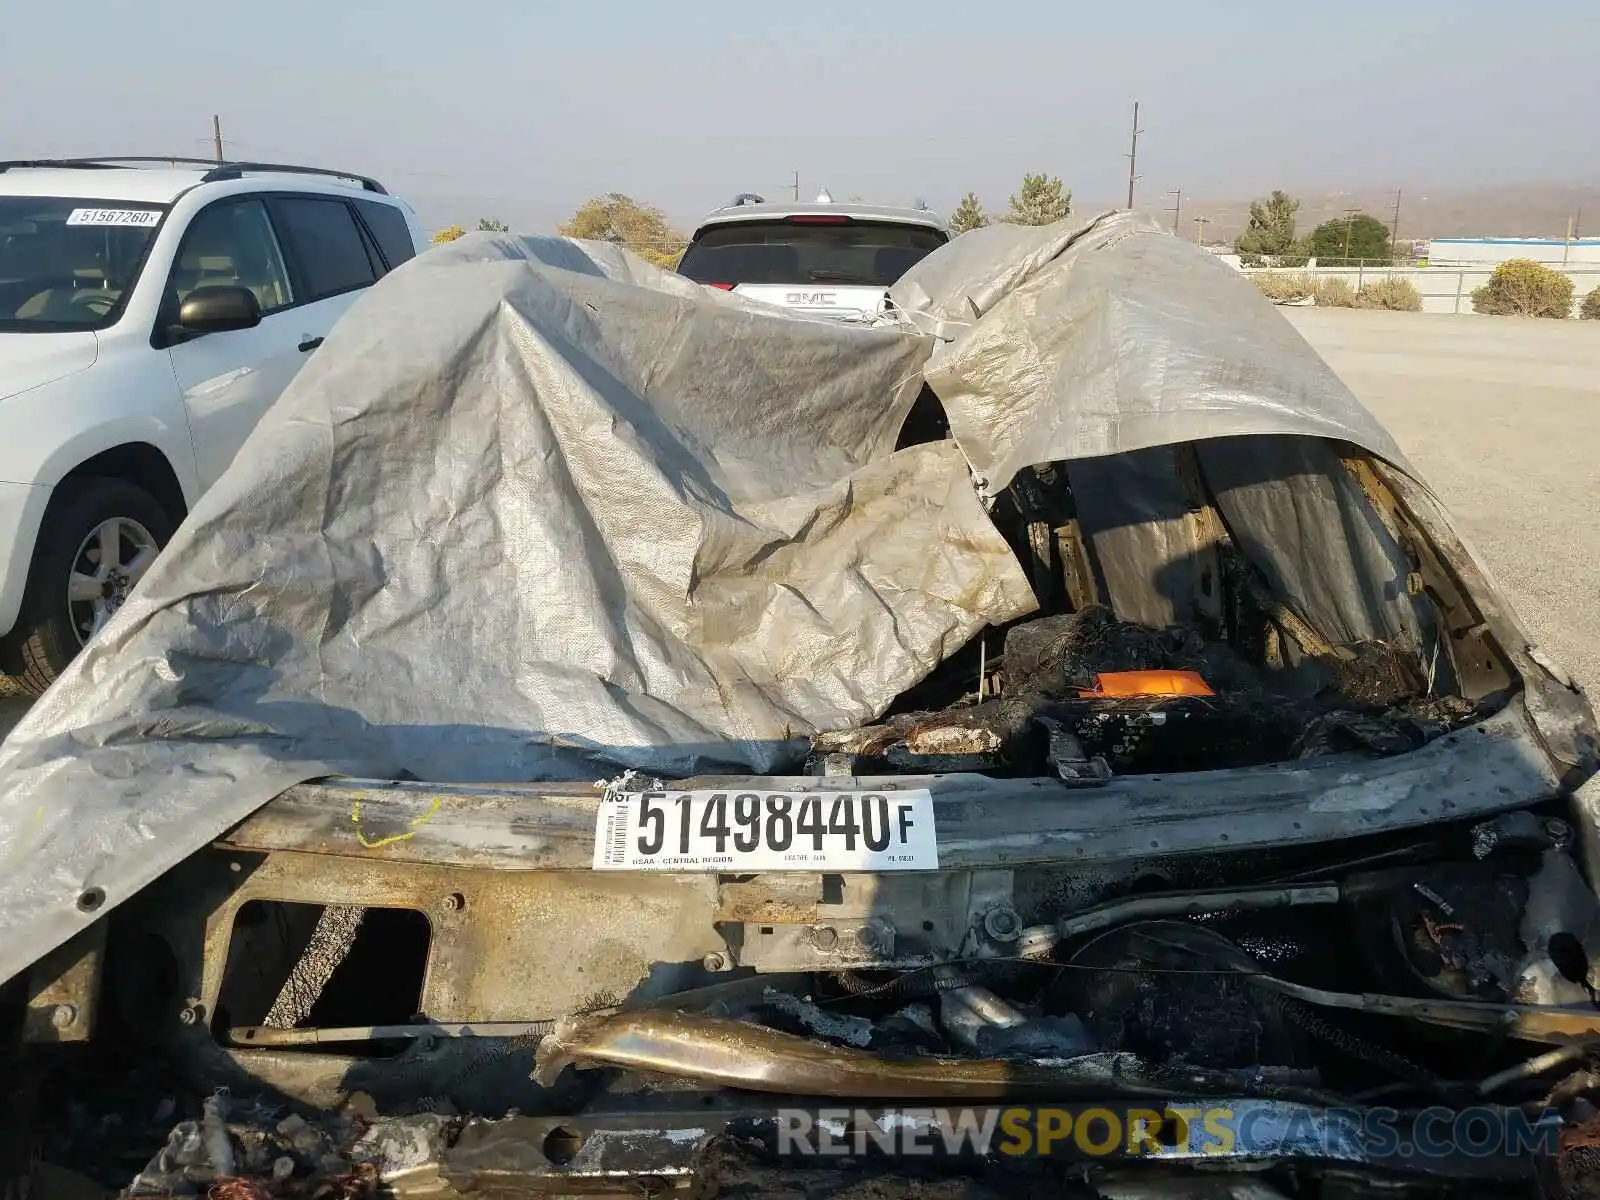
504	945
982	822
64	989
770	899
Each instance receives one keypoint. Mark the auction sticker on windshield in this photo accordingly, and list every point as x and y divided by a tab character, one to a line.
143	218
766	831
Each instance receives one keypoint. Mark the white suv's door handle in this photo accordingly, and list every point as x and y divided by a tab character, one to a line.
308	343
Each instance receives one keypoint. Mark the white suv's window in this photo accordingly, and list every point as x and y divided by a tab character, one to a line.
67	263
328	245
232	244
807	249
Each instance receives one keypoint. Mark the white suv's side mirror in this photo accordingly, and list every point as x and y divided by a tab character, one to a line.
218	309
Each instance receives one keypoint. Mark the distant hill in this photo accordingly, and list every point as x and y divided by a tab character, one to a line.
1501	210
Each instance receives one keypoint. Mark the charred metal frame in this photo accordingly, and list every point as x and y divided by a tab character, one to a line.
521	928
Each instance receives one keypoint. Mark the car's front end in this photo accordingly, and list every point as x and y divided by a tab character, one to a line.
1192	818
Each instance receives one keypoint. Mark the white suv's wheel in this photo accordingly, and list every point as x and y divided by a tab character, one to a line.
94	546
111	559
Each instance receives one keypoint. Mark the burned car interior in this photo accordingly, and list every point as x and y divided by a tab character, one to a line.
1266	799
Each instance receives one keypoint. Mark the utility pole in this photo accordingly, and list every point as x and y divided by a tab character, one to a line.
1349	224
1177	206
1200	224
1133	154
216	136
1394	229
797	187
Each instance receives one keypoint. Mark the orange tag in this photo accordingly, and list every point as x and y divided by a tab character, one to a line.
1150	683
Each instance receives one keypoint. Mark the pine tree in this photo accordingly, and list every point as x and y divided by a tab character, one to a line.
1270	233
1040	201
969	215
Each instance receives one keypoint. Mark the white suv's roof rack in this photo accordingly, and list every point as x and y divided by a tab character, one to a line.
217	173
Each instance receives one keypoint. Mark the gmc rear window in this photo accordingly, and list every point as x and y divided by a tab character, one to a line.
873	253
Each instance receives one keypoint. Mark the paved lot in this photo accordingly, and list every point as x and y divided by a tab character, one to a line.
1501	417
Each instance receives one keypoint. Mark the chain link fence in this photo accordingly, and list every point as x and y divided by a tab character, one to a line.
1443	288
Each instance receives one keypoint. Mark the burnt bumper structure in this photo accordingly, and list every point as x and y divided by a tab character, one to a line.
583	701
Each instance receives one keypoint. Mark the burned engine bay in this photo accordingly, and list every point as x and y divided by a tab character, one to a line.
1206	850
1166	639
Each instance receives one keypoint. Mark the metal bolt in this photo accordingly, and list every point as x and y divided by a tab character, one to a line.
454	902
715	962
824	937
192	1014
1559	833
63	1016
1002	923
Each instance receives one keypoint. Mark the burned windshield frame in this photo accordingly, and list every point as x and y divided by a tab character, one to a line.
28	271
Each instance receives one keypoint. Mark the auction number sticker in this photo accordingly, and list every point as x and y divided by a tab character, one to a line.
141	218
766	831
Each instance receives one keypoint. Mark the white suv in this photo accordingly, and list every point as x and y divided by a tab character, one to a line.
150	311
836	260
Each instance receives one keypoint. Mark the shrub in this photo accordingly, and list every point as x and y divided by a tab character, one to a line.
1285	289
1334	293
1591	306
1396	295
1524	288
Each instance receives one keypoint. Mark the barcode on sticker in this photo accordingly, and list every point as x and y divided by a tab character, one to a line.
614	845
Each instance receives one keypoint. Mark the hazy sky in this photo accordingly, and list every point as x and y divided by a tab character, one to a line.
523	110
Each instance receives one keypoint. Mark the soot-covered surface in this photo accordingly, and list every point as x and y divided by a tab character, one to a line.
1370	699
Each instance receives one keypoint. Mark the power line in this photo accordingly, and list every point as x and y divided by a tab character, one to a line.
1133	154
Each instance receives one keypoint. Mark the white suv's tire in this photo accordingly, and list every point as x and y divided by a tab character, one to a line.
73	584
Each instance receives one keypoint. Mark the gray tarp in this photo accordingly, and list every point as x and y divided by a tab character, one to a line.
537	510
1075	343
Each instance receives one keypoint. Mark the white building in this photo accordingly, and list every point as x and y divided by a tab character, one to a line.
1444	252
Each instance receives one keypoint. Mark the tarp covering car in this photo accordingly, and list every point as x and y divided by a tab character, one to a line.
539	511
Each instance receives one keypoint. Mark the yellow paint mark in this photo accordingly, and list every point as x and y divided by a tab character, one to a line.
414	824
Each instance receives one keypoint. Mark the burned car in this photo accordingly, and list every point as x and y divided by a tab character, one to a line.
601	737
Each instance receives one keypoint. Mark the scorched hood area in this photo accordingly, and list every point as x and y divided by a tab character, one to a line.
596	718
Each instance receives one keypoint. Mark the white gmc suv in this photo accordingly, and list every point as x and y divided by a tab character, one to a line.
826	259
150	311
